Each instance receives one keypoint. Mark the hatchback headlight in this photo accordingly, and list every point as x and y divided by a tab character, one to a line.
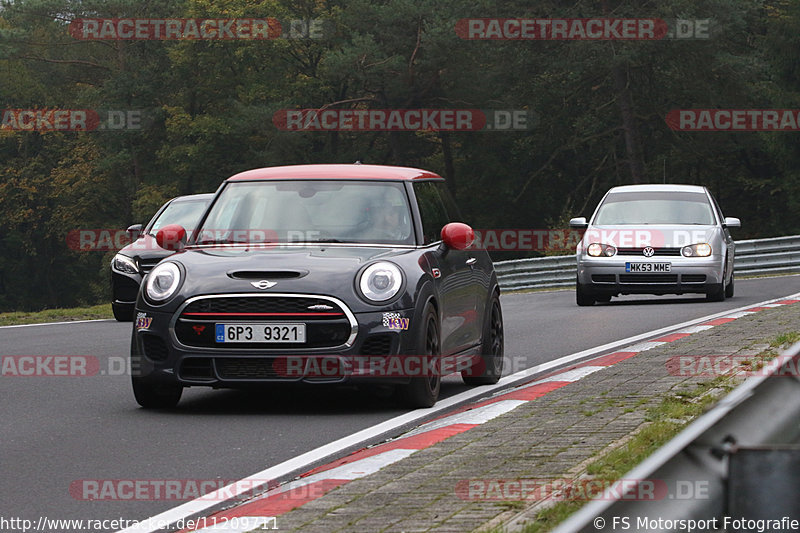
380	281
162	282
124	264
696	250
601	250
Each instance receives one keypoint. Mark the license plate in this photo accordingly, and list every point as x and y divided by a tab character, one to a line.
648	267
264	332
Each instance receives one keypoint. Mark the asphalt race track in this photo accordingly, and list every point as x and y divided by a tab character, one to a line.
56	431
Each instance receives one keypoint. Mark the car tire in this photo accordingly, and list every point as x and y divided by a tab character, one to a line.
153	396
122	313
424	391
490	367
729	289
582	297
605	298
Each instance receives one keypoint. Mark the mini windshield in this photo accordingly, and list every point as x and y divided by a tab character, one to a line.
309	211
623	208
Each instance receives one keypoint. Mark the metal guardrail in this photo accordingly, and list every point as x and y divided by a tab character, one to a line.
779	255
760	415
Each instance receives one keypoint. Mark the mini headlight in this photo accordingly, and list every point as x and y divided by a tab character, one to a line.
696	250
124	264
596	250
162	282
380	281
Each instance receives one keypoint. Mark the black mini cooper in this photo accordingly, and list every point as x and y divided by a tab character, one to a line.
319	274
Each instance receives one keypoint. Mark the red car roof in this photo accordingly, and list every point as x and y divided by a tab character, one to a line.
317	172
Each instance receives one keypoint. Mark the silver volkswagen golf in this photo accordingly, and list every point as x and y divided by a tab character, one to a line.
655	239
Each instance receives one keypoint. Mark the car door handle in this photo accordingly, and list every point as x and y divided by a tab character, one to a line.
471	261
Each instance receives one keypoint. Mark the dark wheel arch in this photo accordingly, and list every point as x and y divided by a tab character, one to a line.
423	391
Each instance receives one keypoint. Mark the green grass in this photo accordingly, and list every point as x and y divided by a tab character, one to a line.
785	340
56	315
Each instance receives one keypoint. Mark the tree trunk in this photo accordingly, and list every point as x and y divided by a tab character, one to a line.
449	168
633	144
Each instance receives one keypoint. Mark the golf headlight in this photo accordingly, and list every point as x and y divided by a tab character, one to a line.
162	282
380	281
124	264
696	250
601	250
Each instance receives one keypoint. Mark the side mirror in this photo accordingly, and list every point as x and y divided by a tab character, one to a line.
458	236
732	222
578	223
134	231
171	237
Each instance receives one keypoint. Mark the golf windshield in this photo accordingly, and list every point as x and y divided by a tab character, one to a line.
309	211
635	208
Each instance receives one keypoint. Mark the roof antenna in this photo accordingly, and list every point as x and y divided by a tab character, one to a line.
357	163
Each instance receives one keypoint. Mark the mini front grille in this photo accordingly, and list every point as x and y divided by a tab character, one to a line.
319	333
657	252
256	304
648	278
154	347
326	324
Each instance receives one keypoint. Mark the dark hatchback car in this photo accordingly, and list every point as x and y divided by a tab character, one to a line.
300	268
136	259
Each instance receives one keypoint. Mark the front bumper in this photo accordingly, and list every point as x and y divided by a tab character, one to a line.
158	356
607	275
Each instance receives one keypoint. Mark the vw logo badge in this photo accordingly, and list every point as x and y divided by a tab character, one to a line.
648	251
263	284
